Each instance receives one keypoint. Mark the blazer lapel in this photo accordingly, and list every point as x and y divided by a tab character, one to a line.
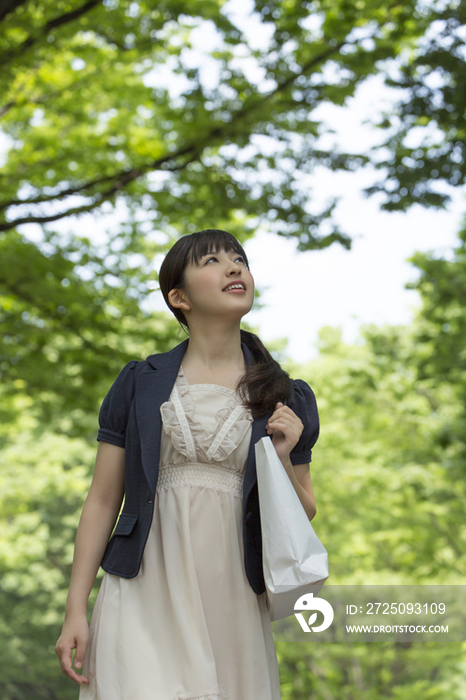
154	387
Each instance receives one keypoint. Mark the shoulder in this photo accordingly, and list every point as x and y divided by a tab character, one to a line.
126	374
303	403
121	390
115	408
302	396
130	371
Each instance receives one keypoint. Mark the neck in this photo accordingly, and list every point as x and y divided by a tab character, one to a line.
214	350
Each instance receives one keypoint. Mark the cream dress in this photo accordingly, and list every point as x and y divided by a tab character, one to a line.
188	626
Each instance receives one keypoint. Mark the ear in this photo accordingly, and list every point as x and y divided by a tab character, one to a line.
177	300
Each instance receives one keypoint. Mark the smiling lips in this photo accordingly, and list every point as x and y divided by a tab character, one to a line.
235	287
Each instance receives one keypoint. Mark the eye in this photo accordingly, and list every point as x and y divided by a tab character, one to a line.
239	257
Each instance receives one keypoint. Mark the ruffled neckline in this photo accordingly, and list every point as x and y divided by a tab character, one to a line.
190	437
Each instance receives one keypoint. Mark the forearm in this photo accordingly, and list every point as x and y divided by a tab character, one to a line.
95	525
306	499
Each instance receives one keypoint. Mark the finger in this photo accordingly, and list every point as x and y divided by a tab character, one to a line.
286	427
282	410
276	414
76	677
80	651
64	657
288	415
283	420
275	425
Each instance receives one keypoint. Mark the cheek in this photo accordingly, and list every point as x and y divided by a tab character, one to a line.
206	284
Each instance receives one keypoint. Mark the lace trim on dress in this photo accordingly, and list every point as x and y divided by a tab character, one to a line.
218	478
189	436
184	425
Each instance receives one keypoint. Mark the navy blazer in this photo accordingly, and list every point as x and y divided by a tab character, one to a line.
130	417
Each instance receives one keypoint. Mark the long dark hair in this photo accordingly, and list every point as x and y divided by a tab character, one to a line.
264	382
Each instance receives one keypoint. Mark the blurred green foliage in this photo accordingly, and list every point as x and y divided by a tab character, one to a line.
390	495
89	125
389	476
90	121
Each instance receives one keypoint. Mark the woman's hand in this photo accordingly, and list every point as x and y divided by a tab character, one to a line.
74	635
286	429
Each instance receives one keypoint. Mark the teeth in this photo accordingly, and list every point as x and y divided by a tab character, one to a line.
234	286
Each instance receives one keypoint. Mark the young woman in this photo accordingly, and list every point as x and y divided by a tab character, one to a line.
181	613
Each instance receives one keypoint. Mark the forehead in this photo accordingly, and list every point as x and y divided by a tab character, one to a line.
211	249
219	250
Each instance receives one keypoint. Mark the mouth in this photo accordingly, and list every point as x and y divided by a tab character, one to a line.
233	287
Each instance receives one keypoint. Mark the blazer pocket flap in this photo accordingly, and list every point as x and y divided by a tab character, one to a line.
125	524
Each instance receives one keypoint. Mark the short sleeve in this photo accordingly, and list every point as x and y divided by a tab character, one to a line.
304	404
114	411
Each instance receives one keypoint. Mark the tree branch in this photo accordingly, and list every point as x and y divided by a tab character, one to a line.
64	193
64	323
7	6
6	108
52	24
123	178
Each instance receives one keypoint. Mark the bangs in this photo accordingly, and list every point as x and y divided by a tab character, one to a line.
214	240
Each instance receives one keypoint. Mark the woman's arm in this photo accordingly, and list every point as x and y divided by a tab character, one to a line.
97	521
300	477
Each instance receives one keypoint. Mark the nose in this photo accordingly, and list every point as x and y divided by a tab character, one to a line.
236	267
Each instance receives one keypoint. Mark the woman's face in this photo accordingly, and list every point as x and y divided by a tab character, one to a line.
205	286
